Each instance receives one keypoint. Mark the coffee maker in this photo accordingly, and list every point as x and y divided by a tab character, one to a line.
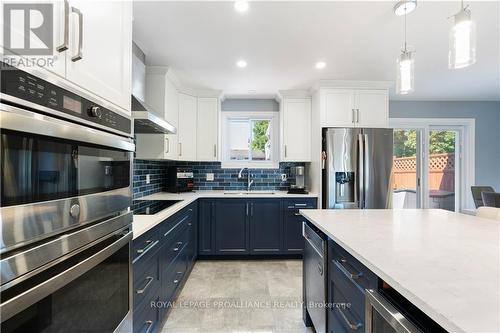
299	187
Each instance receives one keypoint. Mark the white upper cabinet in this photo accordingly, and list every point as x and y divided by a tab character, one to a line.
354	107
296	129
187	128
100	49
372	108
207	147
337	110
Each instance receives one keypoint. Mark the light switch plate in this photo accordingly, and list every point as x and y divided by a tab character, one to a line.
210	177
148	179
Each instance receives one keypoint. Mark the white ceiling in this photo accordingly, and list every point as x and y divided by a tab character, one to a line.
282	41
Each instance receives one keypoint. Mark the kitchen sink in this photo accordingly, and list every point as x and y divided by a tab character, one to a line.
249	192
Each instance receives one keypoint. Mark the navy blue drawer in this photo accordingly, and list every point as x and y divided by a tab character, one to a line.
300	203
351	292
355	271
176	221
146	279
344	318
174	275
145	245
146	317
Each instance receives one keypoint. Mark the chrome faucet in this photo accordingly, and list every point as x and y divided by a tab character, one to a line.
249	177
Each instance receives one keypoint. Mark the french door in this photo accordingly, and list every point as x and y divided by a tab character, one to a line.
427	166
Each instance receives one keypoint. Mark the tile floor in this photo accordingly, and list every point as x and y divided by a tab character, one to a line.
240	297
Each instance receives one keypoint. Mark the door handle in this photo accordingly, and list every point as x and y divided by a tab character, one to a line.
149	323
286	151
168	145
352	326
180	149
247	208
149	279
357	115
79	55
361	171
215	150
353	119
341	266
64	46
251	209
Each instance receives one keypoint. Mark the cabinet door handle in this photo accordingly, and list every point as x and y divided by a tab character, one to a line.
286	153
149	246
353	116
357	115
352	326
79	55
215	150
149	279
251	209
247	208
180	149
300	205
149	323
341	266
168	145
64	46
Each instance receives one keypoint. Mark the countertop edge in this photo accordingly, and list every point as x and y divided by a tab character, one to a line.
414	299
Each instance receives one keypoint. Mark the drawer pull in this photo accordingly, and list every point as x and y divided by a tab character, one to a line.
149	246
175	249
341	266
141	291
175	226
352	326
297	214
300	205
149	323
176	281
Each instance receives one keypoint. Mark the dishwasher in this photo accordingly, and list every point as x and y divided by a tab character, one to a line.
315	276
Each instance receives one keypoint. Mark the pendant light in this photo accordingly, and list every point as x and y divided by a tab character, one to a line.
462	52
405	67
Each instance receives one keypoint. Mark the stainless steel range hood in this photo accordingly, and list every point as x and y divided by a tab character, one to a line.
146	120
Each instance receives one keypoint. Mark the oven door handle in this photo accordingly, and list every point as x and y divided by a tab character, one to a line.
20	302
17	119
392	316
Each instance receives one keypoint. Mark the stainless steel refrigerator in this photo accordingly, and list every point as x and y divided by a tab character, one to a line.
357	168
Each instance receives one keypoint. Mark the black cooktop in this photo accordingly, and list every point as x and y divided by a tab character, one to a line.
150	207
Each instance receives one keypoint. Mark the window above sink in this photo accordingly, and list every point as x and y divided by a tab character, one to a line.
250	140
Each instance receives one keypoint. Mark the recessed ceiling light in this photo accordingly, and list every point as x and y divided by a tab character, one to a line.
241	63
241	6
320	65
405	7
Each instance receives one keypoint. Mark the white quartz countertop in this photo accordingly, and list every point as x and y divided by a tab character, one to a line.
143	223
447	264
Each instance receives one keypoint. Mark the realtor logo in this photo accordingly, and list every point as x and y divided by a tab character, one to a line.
28	28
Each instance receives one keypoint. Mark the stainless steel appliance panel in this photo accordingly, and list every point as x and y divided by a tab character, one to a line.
341	170
315	271
378	155
382	317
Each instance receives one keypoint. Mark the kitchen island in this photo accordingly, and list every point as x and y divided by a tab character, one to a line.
446	264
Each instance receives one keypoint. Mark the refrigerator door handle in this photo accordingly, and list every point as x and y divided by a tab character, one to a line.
367	167
361	171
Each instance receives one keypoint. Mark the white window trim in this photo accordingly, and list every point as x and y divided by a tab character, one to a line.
274	117
468	151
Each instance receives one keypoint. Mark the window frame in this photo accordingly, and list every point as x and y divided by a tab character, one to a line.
273	117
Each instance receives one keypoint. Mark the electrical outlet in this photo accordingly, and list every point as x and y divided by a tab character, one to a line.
284	177
210	177
148	179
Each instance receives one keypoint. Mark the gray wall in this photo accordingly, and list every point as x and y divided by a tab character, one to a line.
250	105
487	116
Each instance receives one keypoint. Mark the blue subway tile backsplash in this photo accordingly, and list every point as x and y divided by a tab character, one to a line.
224	179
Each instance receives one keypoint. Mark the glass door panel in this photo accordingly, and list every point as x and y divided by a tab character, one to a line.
442	170
406	169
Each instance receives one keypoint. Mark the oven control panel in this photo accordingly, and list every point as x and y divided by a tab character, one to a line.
17	83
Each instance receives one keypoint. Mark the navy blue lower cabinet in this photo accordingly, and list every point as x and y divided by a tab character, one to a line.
293	242
348	279
206	227
231	226
265	226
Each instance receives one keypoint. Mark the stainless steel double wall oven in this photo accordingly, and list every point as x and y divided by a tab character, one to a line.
65	172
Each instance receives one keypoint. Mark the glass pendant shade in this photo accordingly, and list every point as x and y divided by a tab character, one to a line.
462	51
406	69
